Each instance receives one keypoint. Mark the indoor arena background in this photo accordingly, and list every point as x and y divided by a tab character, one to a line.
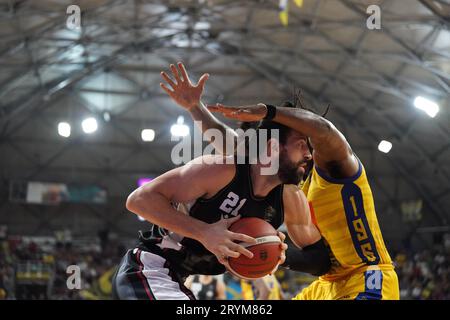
76	95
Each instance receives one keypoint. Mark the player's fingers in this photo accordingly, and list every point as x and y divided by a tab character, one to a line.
243	238
239	112
202	81
283	246
242	250
282	259
212	108
183	72
230	221
231	253
281	235
218	107
175	73
222	260
167	90
168	80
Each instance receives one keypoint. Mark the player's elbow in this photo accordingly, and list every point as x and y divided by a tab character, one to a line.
131	202
134	201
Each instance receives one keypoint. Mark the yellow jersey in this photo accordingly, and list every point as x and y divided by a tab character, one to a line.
250	291
247	290
274	287
344	212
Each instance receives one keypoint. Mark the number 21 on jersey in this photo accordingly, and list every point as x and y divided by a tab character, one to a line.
231	205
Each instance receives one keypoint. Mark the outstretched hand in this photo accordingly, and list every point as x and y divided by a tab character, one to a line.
283	247
242	113
183	92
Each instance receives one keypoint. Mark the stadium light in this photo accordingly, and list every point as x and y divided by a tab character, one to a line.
148	135
428	106
89	125
385	146
179	129
64	129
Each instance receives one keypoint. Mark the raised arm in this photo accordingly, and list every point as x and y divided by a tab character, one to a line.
313	257
188	96
153	202
332	153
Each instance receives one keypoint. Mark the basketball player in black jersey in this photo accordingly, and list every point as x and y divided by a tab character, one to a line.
206	287
211	193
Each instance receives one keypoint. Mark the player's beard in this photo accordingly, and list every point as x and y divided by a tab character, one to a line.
289	172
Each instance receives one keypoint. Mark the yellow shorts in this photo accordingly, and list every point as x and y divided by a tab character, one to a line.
367	285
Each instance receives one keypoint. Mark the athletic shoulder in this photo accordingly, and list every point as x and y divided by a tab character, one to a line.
292	193
212	164
214	171
295	204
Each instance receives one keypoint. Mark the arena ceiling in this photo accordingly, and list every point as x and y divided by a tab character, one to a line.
110	69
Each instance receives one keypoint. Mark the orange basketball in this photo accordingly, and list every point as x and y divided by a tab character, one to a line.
266	253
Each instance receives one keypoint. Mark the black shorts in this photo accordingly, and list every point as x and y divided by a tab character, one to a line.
143	275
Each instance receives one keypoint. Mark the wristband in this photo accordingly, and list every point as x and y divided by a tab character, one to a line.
271	112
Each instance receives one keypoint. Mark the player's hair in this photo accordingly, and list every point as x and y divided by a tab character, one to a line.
259	126
283	131
299	102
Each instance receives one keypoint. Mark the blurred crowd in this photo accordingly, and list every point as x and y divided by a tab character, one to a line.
424	275
31	269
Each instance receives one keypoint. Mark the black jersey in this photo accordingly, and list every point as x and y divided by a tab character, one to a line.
204	291
188	256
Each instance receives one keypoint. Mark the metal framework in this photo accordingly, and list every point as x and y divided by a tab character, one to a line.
49	73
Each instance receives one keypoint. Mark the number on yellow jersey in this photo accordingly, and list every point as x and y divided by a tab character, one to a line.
357	222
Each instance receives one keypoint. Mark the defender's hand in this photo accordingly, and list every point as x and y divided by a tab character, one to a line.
243	113
183	92
221	241
283	247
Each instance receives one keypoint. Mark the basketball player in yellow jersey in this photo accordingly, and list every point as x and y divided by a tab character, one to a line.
339	196
268	288
265	288
341	204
